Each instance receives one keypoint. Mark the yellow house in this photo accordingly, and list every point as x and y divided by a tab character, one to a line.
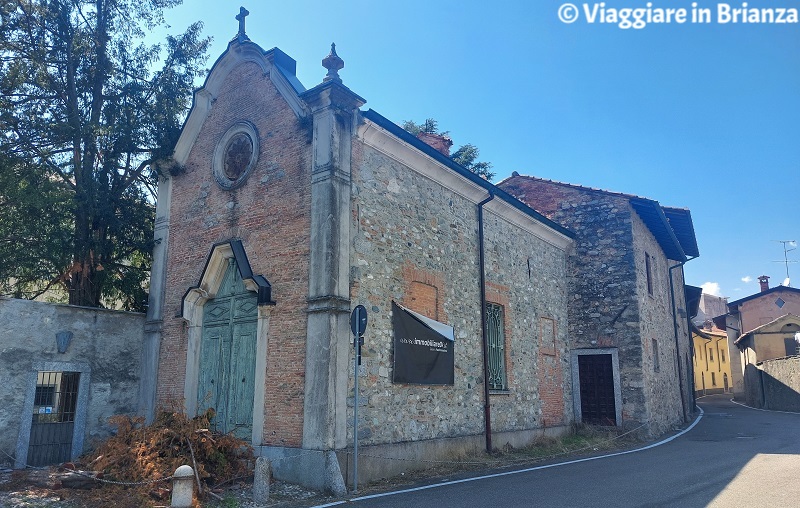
712	368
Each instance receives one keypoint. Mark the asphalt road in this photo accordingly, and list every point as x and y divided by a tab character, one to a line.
733	457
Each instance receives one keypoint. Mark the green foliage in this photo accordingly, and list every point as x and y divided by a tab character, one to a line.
88	113
35	234
465	155
431	126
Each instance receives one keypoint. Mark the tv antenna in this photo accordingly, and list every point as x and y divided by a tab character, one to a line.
786	251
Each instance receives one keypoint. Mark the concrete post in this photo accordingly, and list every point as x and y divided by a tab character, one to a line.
182	487
261	480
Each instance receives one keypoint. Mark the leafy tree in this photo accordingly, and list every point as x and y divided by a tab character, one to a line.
465	155
89	114
35	233
431	126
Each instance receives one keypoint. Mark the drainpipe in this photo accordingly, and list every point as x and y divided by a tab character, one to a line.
487	408
677	341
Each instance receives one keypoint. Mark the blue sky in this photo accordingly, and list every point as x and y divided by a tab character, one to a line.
701	116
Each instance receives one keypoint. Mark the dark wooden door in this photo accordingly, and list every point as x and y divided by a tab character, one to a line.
596	375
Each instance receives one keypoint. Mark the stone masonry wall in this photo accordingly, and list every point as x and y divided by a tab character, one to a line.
781	378
411	234
270	214
603	309
656	329
110	342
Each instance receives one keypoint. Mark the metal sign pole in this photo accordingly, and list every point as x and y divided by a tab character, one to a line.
358	323
356	362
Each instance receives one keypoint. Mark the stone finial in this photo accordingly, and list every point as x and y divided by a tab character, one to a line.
243	13
333	63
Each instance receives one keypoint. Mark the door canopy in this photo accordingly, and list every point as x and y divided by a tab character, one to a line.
214	274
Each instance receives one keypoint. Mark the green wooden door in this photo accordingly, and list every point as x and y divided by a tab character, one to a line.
228	356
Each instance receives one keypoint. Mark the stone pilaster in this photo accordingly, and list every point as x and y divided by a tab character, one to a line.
155	309
333	109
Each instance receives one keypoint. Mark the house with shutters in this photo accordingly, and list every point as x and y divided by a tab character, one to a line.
628	321
284	208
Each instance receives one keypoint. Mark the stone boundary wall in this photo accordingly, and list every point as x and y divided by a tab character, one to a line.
774	384
106	348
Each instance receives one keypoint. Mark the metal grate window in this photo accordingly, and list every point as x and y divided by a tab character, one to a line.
496	339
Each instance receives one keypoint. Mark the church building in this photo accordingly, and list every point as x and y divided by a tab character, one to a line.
284	208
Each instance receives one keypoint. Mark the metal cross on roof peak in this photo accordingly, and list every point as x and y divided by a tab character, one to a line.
243	13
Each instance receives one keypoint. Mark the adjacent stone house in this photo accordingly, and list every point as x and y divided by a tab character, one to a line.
748	313
283	209
628	321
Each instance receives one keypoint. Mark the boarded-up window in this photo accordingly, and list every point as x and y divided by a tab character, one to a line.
656	365
547	328
424	299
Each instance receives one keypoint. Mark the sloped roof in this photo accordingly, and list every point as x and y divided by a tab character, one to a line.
693	294
672	227
755	331
681	221
732	305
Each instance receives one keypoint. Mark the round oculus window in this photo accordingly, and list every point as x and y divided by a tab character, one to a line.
235	155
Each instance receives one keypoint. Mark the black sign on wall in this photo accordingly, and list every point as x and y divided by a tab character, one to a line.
422	355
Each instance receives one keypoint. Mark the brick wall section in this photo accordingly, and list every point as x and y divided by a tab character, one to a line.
270	214
551	390
422	292
408	229
608	301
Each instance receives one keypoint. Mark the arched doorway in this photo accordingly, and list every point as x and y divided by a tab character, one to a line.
227	317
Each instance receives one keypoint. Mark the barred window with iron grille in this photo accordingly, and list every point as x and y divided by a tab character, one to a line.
496	339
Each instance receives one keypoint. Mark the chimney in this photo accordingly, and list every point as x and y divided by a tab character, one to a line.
438	142
764	281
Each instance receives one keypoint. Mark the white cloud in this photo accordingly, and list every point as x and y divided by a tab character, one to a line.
711	288
747	279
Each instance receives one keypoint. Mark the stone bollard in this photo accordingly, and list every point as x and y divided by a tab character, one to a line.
261	480
182	487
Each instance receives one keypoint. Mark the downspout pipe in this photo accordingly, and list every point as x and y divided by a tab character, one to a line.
487	408
677	340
